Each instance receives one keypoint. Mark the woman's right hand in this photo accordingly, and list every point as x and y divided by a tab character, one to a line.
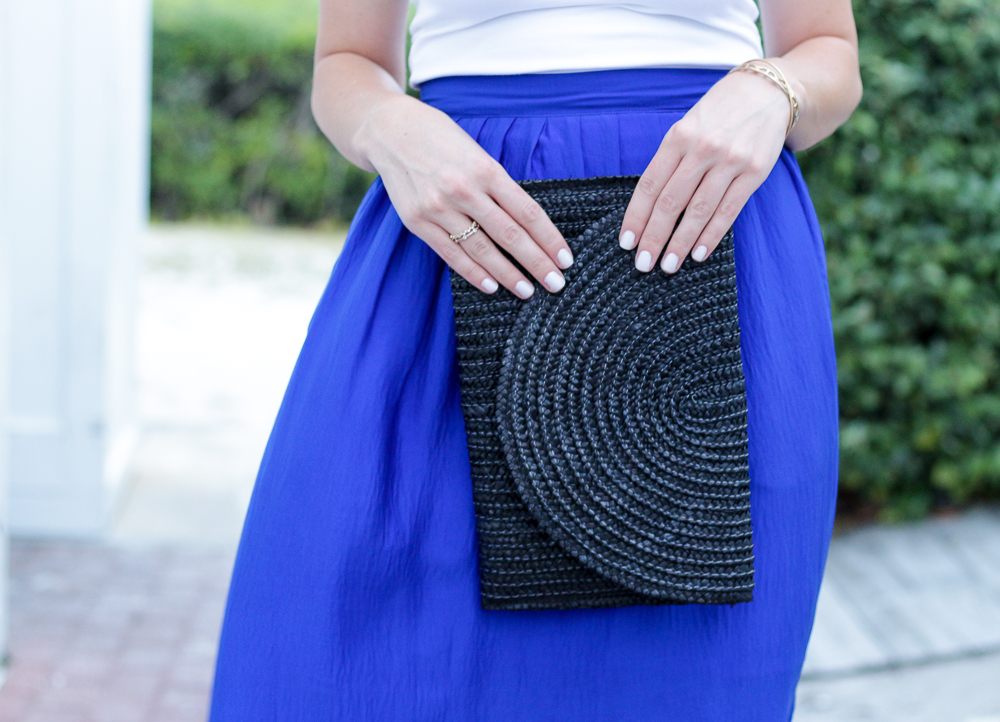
439	180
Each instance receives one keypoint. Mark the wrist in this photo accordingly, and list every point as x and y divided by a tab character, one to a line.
773	75
798	89
369	139
762	97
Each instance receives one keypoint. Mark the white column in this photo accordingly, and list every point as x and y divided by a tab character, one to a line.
73	208
4	356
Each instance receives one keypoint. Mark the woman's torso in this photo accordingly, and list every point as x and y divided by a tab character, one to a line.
505	37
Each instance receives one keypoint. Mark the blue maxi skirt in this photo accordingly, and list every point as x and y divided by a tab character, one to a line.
355	595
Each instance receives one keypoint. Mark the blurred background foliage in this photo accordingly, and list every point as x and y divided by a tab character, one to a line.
232	131
907	192
908	195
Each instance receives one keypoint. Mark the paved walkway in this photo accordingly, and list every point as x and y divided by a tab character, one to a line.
112	633
908	625
908	628
908	595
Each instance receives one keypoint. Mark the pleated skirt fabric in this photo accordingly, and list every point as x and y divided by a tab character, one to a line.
354	595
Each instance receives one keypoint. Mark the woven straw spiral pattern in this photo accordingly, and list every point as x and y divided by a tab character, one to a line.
607	423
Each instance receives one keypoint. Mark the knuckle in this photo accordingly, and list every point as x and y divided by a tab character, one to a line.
711	146
485	170
667	203
737	158
647	186
510	277
432	204
510	235
699	209
532	211
756	167
478	245
684	245
682	133
729	210
450	252
711	238
539	267
453	185
462	193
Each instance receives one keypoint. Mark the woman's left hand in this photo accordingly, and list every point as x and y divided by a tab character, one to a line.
708	165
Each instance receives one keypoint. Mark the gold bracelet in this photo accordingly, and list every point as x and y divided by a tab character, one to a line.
792	98
772	73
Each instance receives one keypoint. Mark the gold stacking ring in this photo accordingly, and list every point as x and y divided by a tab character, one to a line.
459	237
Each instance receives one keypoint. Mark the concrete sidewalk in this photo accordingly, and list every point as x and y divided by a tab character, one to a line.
908	627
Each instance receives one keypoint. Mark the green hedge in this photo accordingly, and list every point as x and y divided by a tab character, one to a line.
908	194
232	131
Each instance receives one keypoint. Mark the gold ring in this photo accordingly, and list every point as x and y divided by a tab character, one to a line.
459	237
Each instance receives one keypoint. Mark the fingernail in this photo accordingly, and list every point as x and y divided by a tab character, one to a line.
627	240
669	263
489	285
524	289
565	257
699	253
644	261
554	281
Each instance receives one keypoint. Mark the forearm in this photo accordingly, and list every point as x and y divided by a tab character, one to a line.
349	94
823	73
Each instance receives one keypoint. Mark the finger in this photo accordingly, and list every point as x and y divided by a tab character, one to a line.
673	199
484	252
732	203
647	190
525	211
455	256
507	233
697	214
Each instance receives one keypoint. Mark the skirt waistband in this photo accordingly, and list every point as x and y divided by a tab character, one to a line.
578	93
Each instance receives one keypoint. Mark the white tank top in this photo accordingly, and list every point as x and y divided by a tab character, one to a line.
504	37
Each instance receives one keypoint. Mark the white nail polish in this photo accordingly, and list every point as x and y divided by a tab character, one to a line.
644	261
565	257
489	285
669	263
554	281
699	253
524	289
627	240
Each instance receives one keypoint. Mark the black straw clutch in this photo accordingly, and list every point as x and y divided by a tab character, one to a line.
607	423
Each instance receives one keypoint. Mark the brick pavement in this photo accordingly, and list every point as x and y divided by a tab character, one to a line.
103	633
